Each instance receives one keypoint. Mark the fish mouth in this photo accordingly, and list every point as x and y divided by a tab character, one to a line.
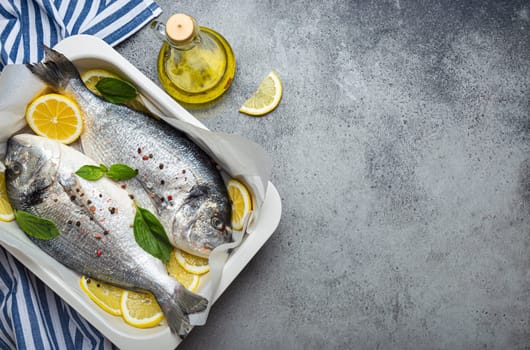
181	238
227	238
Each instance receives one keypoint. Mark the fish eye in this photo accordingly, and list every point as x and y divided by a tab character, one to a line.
16	168
218	223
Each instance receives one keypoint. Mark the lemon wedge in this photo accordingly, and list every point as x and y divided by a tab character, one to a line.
241	202
266	98
106	296
192	263
189	280
6	211
56	117
140	310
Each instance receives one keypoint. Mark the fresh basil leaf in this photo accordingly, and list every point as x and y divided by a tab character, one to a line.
151	235
116	90
90	172
35	226
115	172
119	172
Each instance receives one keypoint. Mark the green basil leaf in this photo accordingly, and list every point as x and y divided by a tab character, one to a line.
121	172
90	172
35	226
103	168
151	235
116	90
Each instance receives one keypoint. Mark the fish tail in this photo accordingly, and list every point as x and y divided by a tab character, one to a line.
56	70
178	305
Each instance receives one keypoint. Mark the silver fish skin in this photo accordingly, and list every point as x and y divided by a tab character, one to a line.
175	177
94	219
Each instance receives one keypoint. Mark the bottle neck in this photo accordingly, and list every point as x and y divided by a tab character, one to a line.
188	45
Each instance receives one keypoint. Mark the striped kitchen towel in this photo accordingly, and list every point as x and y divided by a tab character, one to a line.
32	316
27	24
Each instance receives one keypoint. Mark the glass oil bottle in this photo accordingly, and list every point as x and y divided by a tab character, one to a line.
196	65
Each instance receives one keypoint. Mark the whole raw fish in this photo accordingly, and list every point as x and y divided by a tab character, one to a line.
176	178
94	219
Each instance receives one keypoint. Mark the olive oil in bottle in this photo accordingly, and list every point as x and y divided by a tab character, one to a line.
196	65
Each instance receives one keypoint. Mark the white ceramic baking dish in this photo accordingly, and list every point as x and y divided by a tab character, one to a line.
89	52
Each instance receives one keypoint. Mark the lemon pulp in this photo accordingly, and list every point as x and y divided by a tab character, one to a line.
266	98
140	310
241	202
6	211
189	280
192	263
55	116
106	296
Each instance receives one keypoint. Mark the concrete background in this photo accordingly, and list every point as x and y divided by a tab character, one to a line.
401	153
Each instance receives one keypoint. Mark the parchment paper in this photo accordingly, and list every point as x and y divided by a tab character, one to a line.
238	157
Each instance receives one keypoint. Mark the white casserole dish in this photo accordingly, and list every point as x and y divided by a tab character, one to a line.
89	52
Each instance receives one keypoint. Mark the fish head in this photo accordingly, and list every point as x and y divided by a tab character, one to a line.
202	222
31	167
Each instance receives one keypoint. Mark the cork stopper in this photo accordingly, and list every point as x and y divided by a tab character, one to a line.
181	28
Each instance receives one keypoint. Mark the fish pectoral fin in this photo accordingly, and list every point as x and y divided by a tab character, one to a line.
73	188
198	191
145	195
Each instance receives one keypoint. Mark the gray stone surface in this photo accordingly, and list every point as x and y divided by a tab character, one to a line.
401	153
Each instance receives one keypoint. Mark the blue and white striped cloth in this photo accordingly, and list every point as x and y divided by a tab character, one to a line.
27	24
32	316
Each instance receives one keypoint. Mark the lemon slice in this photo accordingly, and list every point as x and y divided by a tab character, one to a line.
266	98
6	211
56	117
93	76
108	297
189	280
192	263
140	310
241	202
